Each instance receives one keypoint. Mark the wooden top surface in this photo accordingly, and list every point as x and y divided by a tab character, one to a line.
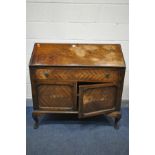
109	55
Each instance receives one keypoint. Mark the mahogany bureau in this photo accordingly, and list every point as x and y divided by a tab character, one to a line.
83	79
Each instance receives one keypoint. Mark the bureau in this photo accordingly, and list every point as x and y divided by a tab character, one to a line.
82	79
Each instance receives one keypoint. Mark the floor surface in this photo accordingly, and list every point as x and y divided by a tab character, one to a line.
67	135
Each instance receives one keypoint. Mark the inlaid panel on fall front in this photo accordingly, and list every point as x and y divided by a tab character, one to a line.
77	55
96	98
56	96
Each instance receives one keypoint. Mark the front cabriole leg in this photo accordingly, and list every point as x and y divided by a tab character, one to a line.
116	115
36	119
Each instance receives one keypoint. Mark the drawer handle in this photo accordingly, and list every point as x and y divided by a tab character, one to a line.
107	75
46	74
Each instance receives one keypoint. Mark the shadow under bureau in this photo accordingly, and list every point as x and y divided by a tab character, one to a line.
83	79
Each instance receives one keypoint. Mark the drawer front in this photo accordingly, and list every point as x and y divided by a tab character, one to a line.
92	74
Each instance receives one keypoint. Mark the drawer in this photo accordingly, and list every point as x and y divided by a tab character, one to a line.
76	74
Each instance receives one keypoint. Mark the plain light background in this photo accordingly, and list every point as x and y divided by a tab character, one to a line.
77	21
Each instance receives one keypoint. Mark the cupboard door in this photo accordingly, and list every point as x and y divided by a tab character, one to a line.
96	99
56	96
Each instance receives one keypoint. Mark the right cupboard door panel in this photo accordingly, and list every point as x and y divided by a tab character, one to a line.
95	99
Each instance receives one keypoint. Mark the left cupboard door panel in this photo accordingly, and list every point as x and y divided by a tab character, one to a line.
56	96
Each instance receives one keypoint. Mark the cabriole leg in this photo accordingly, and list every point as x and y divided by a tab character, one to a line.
36	120
116	124
116	116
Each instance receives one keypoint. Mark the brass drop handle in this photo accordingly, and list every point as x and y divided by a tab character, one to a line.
107	75
46	74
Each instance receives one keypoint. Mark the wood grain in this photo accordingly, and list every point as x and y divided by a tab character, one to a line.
77	78
77	55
